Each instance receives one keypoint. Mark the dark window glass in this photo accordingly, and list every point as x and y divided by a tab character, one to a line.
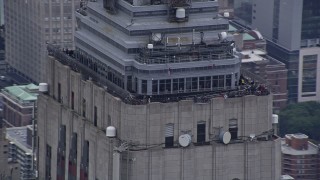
215	82
129	83
59	93
168	86
144	86
221	81
228	81
309	73
95	116
181	85
195	84
175	85
72	100
162	86
155	86
188	84
48	162
201	83
169	135
207	84
84	107
233	128
201	132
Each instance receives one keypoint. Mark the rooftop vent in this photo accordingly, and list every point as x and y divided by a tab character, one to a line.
180	13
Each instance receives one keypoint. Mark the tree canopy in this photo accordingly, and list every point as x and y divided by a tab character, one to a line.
301	118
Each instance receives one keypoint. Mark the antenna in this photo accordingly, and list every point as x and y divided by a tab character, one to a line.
185	140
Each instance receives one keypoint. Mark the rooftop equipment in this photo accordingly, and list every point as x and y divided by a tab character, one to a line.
185	140
43	87
111	132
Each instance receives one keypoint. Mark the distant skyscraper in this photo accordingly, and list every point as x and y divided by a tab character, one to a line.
30	25
1	13
292	29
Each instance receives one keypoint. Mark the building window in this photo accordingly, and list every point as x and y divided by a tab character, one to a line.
201	132
207	84
72	100
84	168
129	83
175	85
144	86
228	81
181	85
188	84
61	153
195	84
73	158
233	128
168	86
309	73
169	130
59	93
95	116
48	162
84	107
154	86
201	83
162	86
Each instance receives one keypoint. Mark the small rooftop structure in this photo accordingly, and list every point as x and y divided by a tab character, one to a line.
298	144
253	55
21	93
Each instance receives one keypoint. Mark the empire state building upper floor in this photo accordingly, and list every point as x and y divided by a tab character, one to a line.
155	47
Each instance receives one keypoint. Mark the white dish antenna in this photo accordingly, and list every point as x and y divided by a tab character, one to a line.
225	137
223	35
185	140
111	132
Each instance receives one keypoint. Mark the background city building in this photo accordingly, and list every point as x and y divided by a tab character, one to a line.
32	24
1	13
272	71
19	104
252	48
292	30
300	157
20	150
226	5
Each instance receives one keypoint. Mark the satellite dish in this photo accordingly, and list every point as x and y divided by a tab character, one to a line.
222	35
225	137
185	140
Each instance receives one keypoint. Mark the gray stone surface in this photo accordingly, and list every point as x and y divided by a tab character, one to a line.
144	124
